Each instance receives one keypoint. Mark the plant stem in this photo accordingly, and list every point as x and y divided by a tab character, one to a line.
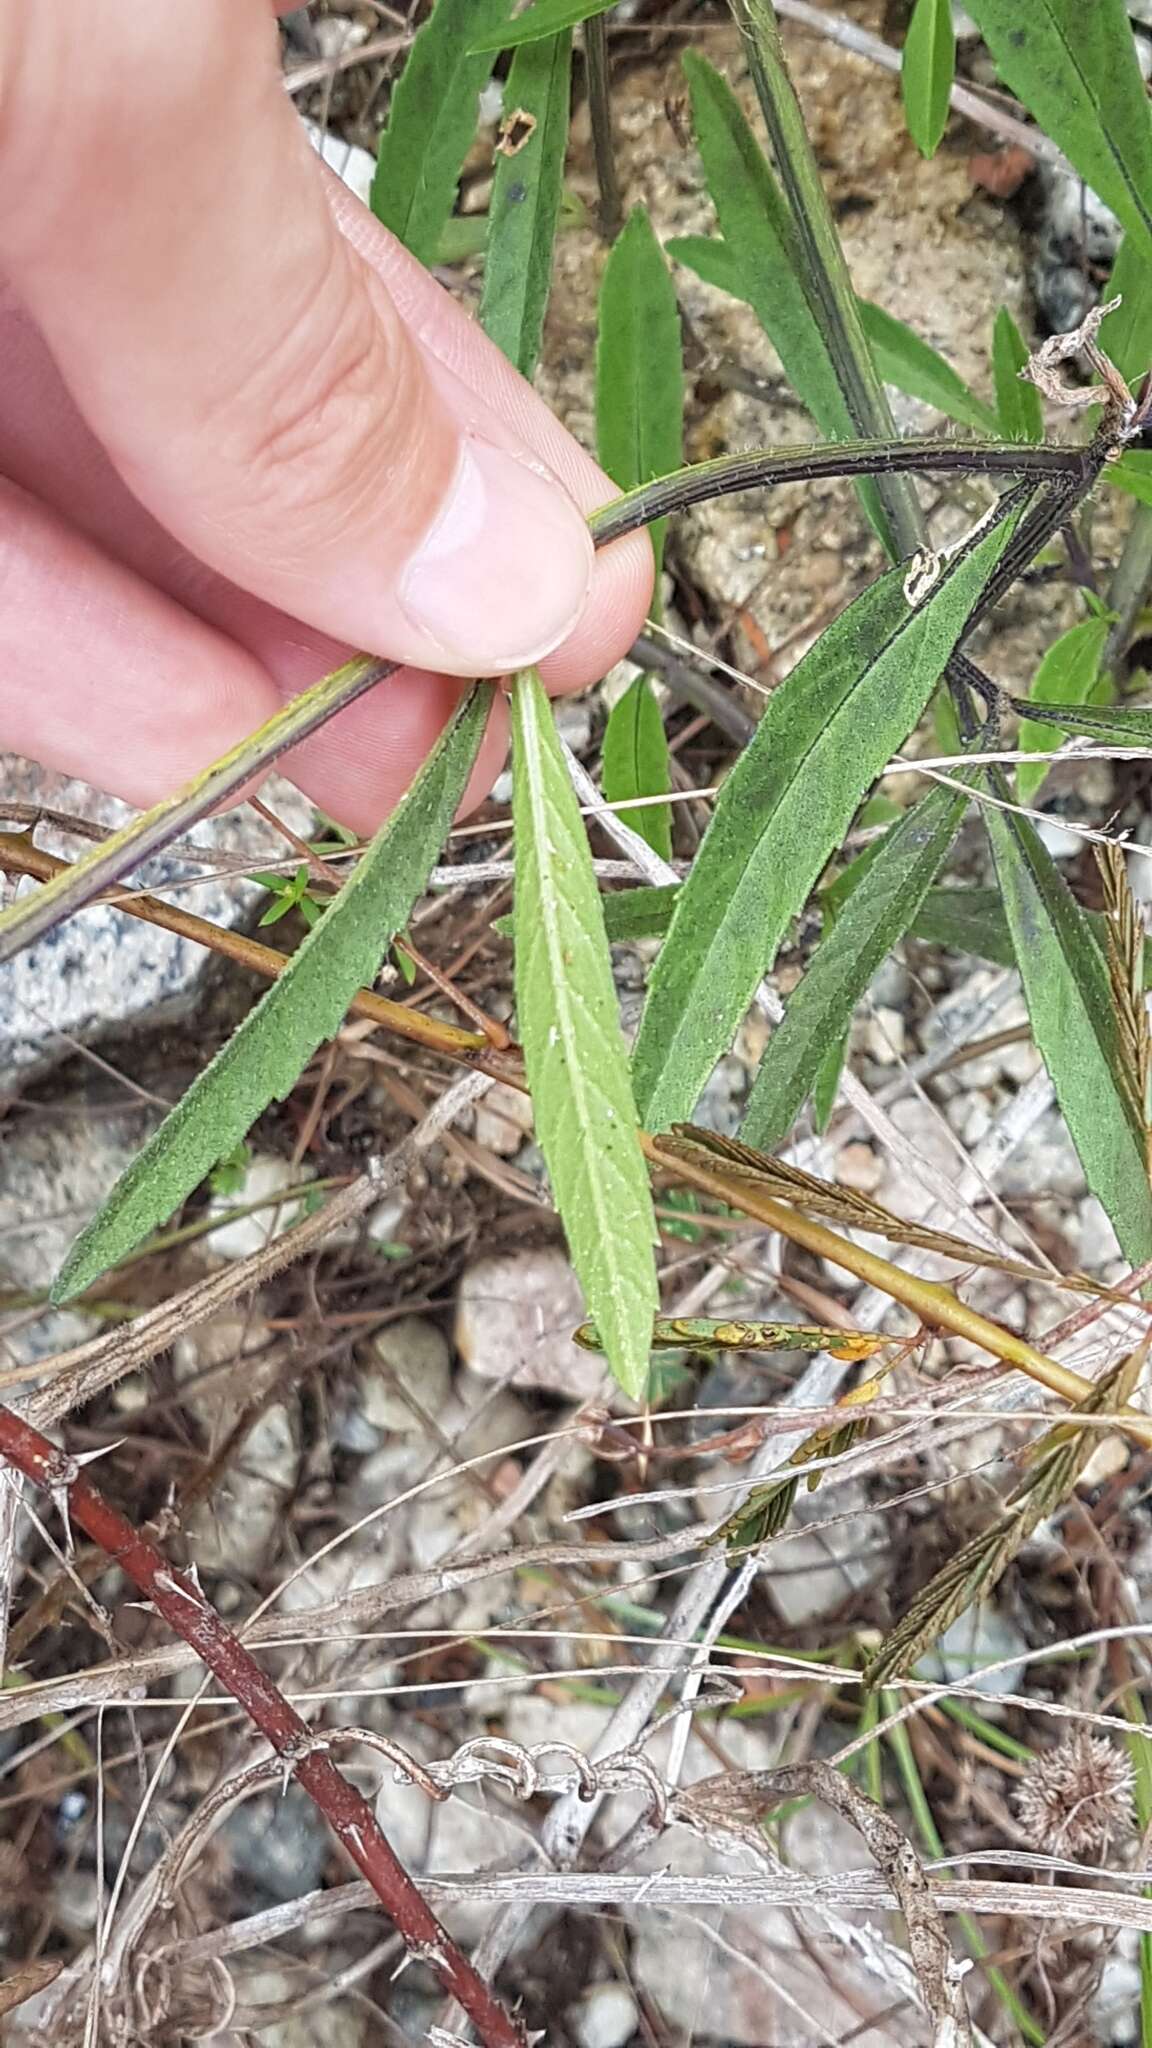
611	212
822	271
1128	590
178	1598
937	1306
31	916
1072	468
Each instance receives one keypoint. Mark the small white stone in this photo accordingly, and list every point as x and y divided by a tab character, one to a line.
353	166
1061	844
413	1356
264	1178
514	1321
503	1120
884	1037
606	2017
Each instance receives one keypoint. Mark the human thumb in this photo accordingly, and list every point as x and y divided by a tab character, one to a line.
246	370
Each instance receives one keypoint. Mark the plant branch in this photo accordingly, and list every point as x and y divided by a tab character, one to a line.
31	916
758	467
937	1306
821	267
177	1597
611	212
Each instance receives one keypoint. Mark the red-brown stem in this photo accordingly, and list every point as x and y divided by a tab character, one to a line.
178	1598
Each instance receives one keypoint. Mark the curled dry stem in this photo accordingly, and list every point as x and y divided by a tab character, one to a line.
177	1596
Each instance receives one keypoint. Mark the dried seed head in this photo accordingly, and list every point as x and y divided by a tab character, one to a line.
1077	1797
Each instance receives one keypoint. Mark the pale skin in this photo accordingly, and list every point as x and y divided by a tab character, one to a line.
242	432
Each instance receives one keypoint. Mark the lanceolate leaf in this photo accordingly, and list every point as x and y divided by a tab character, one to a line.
1069	1003
913	366
639	374
926	73
432	121
826	735
1066	677
265	1057
1074	67
760	240
636	763
901	357
574	1053
874	917
1019	405
1124	333
543	18
968	920
525	204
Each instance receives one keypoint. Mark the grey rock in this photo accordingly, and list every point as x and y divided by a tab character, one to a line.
53	1177
514	1320
279	1843
103	970
414	1358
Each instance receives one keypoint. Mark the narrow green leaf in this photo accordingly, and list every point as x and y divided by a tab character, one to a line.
909	363
266	1055
1120	725
827	733
926	72
875	915
1133	474
1021	413
967	920
636	763
1067	676
639	372
432	122
901	357
1069	1003
760	242
643	913
826	1085
638	913
1074	66
574	1052
545	18
1124	334
525	205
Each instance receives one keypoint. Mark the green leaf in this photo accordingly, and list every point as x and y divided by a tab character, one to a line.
574	1053
1124	333
828	731
432	123
1069	1003
760	246
636	763
901	357
1074	66
639	373
639	913
1133	474
967	920
266	1055
1067	676
1118	725
913	366
926	72
874	916
525	205
546	18
1021	413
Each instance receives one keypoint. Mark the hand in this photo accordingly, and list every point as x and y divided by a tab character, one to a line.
242	432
